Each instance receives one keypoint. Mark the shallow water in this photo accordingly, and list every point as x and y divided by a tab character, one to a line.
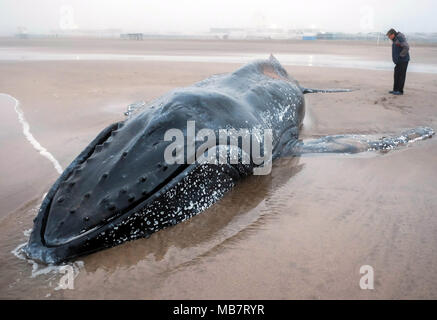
310	60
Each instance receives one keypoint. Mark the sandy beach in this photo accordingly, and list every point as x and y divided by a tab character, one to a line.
302	232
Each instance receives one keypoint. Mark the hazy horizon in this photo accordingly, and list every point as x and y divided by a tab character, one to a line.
189	16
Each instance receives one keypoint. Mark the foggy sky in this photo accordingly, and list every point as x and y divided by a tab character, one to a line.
190	16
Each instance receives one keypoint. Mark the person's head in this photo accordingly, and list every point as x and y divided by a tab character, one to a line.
391	34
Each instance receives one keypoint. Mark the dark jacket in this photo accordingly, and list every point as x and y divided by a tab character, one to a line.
400	49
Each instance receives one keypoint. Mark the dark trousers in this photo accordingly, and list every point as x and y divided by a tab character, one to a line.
400	75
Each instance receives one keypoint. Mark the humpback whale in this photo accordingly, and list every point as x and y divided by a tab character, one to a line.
121	188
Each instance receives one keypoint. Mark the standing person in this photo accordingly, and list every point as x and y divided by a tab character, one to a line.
401	57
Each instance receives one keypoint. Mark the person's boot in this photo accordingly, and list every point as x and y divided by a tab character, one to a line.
391	92
397	93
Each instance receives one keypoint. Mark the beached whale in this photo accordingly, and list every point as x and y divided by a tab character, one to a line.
126	184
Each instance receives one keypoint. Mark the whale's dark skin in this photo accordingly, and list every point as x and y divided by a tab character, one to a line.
120	188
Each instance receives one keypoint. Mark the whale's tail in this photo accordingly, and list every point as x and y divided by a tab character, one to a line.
308	90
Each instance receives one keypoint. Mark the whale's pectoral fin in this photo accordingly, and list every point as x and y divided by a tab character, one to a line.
357	143
308	90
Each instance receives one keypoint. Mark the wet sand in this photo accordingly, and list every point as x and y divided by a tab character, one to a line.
302	232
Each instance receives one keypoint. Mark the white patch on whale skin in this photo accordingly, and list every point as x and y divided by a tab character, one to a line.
26	131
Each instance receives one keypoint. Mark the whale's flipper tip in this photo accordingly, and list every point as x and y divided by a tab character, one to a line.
309	90
351	144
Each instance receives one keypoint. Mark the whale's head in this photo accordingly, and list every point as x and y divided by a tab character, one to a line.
115	175
122	172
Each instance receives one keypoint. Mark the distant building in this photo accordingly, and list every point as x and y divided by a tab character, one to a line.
309	37
132	36
22	33
326	36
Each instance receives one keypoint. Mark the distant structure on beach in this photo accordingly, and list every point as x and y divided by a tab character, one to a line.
287	34
132	36
309	37
74	33
224	33
262	33
22	33
309	34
